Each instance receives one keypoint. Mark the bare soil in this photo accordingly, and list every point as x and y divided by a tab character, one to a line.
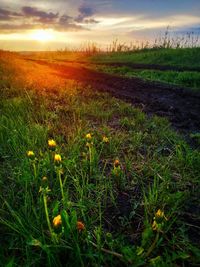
181	106
140	66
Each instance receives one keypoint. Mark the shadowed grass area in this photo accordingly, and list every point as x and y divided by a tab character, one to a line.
184	79
102	184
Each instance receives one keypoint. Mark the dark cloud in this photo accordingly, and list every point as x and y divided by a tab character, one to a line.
65	19
42	16
8	15
34	18
10	28
68	27
84	13
66	23
90	21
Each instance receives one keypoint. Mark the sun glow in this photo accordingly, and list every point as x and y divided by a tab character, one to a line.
42	35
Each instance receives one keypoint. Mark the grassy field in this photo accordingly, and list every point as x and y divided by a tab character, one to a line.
183	57
89	180
188	57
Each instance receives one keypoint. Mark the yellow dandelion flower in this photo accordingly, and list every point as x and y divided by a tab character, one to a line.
154	226
44	179
158	220
88	136
57	158
159	216
105	139
116	163
51	143
80	226
57	221
30	154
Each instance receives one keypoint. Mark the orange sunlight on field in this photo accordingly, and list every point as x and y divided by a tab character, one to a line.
33	76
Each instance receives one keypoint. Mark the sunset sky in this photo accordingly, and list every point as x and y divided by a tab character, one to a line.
54	24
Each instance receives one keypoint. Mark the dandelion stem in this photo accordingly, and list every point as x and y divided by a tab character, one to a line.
61	186
47	215
108	251
153	245
90	152
34	170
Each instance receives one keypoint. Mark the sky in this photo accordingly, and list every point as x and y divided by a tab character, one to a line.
29	25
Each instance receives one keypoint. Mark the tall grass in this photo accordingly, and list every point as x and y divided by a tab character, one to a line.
168	40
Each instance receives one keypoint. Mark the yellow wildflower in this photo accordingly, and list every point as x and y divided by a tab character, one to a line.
57	221
105	139
154	226
88	136
30	154
116	163
44	179
51	143
57	158
80	226
159	216
158	220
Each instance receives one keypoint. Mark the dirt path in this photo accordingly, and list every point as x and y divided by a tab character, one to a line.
138	66
152	67
179	105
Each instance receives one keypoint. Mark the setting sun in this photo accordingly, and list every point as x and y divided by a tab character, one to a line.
42	35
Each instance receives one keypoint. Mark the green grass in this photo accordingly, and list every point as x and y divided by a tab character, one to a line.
184	79
116	202
176	57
